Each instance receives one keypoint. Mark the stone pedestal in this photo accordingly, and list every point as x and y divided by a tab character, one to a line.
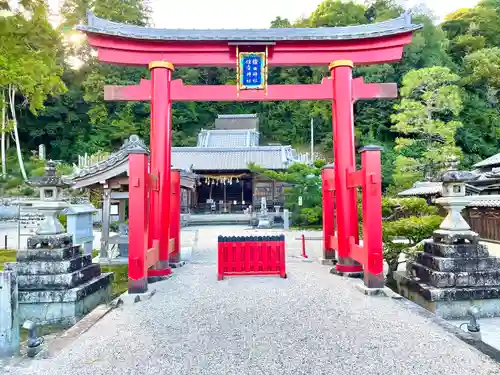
9	315
57	284
453	273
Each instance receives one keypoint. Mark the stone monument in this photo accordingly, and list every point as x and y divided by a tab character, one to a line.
57	284
9	315
264	222
79	223
455	271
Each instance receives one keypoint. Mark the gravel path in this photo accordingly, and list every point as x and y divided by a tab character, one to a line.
311	323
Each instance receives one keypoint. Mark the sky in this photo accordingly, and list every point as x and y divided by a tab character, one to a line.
241	14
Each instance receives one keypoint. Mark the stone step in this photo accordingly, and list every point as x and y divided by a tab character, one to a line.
65	253
431	293
59	281
50	267
454	279
461	264
65	307
66	295
456	251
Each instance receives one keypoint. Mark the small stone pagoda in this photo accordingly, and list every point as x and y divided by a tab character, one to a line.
454	271
57	284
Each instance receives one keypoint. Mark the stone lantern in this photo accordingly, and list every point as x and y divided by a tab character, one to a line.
50	204
453	200
57	284
454	268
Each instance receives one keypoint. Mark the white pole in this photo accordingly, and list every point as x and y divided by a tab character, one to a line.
312	140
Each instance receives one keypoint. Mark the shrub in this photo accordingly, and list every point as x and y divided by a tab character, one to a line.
408	219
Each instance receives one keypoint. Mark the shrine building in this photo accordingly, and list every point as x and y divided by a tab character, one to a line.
221	161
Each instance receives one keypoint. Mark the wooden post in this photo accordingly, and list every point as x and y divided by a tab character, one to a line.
106	213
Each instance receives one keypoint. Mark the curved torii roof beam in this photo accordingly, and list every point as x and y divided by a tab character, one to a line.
375	43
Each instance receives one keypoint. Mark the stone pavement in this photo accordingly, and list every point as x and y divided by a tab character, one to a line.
311	323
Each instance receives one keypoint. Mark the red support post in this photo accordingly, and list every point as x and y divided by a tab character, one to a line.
161	150
328	197
175	215
372	216
345	161
304	254
138	223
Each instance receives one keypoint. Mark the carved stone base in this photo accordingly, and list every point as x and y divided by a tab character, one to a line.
64	307
449	303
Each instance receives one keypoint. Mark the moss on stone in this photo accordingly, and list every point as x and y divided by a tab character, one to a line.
7	256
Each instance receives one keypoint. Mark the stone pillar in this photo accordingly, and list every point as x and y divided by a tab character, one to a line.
122	211
286	219
106	213
9	315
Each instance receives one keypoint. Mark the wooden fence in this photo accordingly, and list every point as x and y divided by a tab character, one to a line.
485	221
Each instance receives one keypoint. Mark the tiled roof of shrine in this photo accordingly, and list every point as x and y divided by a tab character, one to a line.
116	164
231	159
489	162
228	138
423	188
395	26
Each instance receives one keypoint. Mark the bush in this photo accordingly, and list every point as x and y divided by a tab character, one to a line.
13	182
305	181
27	191
408	219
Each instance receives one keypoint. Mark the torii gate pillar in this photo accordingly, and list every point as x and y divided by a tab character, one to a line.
160	159
345	162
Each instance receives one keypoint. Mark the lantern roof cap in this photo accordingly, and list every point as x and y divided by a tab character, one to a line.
49	178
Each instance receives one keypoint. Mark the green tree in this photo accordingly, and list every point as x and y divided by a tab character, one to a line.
111	122
29	66
304	184
337	13
483	66
426	123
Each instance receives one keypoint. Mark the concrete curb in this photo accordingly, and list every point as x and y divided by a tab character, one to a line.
82	326
377	292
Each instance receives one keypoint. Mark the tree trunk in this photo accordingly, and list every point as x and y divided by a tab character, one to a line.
393	267
4	124
12	95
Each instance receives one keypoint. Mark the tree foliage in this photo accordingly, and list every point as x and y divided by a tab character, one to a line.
407	223
29	68
304	185
426	122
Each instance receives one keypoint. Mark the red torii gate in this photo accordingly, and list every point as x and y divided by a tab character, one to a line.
339	48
